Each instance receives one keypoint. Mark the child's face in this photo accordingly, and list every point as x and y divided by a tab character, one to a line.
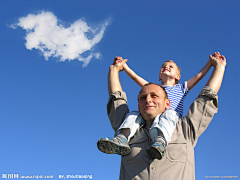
169	69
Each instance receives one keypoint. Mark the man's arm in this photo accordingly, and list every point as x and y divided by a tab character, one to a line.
219	63
113	75
117	108
140	81
194	80
205	106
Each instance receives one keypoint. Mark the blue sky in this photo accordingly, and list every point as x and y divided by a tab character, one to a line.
52	112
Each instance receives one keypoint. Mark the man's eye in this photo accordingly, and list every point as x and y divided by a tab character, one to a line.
143	97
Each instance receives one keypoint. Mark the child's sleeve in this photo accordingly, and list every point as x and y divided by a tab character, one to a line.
185	89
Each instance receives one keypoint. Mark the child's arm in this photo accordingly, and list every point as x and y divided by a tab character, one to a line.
140	81
194	80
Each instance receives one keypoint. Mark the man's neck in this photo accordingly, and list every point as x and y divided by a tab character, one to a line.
148	123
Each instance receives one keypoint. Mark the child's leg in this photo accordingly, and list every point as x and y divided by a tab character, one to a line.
119	144
130	125
161	132
165	123
125	132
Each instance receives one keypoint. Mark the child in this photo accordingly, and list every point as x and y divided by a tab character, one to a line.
164	124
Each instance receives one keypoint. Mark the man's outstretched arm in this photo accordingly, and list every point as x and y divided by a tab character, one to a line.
205	106
113	75
219	62
116	111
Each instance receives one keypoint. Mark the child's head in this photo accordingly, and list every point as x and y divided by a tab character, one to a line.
173	70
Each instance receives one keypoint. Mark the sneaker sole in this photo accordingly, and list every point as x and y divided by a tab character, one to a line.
112	148
154	153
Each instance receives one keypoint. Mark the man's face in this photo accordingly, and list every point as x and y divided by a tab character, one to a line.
152	101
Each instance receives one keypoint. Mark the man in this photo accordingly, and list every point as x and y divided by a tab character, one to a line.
178	163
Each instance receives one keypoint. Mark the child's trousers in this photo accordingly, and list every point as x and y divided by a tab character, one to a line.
165	122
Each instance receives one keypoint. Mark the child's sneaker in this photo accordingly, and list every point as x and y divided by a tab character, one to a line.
156	151
116	145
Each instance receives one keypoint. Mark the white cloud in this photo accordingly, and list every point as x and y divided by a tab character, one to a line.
45	33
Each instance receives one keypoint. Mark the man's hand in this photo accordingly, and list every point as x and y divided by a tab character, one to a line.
118	63
117	60
217	58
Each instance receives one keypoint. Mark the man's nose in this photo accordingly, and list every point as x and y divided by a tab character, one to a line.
148	99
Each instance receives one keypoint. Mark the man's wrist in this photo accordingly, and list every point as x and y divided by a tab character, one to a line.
115	69
220	66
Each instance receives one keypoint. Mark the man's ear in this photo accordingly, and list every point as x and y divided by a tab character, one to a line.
167	104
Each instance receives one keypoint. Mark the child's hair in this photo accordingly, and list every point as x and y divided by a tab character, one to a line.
178	69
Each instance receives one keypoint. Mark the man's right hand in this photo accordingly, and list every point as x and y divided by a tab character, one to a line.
117	60
118	63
